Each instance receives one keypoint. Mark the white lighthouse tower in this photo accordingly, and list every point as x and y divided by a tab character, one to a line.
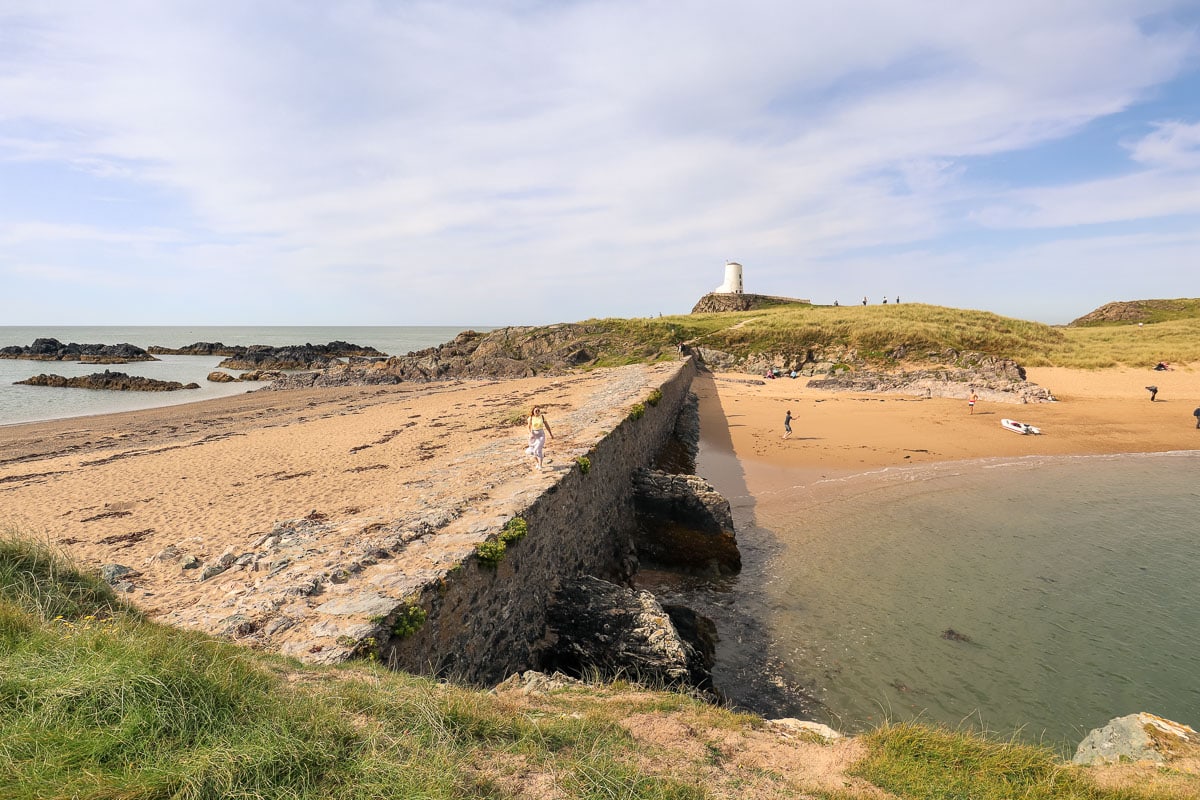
733	279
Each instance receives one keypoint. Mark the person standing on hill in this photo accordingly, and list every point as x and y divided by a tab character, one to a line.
539	428
864	301
787	424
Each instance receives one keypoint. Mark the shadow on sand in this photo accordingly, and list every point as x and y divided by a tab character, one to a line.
747	670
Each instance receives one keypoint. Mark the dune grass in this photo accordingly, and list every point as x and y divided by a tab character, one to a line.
1148	311
874	330
912	332
930	763
1174	341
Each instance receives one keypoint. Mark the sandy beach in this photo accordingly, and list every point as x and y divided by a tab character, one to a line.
350	466
339	478
1098	412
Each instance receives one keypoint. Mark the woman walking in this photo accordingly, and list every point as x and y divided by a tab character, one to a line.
539	428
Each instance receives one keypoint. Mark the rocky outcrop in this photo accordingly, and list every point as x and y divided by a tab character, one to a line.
620	633
716	302
217	376
514	352
54	350
684	523
112	381
198	349
951	373
1138	737
305	356
993	379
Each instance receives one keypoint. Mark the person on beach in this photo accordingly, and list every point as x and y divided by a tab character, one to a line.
1196	414
539	429
1153	390
787	424
971	401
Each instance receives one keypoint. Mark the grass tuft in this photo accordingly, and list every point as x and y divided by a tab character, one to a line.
922	762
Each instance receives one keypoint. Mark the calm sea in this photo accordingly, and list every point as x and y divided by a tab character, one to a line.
1070	581
30	403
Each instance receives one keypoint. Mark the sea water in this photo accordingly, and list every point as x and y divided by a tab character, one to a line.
1039	597
31	403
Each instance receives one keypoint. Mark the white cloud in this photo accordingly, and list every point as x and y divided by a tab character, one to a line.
1172	145
432	150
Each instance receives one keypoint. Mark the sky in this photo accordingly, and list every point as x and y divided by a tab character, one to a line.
524	162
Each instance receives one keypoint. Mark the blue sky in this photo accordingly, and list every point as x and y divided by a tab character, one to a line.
531	162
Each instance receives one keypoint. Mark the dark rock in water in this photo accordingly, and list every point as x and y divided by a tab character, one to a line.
198	349
697	630
112	381
54	350
261	375
306	356
620	633
684	522
952	635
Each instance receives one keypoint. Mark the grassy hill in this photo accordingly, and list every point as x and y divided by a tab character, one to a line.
879	332
1149	312
95	702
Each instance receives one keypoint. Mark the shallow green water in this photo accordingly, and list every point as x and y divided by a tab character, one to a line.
1072	579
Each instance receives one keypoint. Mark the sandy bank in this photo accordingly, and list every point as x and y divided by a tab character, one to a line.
346	477
1098	412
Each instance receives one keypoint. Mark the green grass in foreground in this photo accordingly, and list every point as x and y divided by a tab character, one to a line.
915	761
97	703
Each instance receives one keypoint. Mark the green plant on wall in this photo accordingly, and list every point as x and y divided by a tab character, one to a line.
585	464
408	621
638	411
491	552
654	397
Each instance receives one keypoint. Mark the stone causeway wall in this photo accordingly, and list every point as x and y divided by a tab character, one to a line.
481	623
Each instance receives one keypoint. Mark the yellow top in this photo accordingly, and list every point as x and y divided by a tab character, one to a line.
537	423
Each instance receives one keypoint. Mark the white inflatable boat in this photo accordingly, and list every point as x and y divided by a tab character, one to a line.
1019	427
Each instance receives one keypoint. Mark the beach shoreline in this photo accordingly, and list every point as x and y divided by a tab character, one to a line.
1103	412
212	478
851	467
248	512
